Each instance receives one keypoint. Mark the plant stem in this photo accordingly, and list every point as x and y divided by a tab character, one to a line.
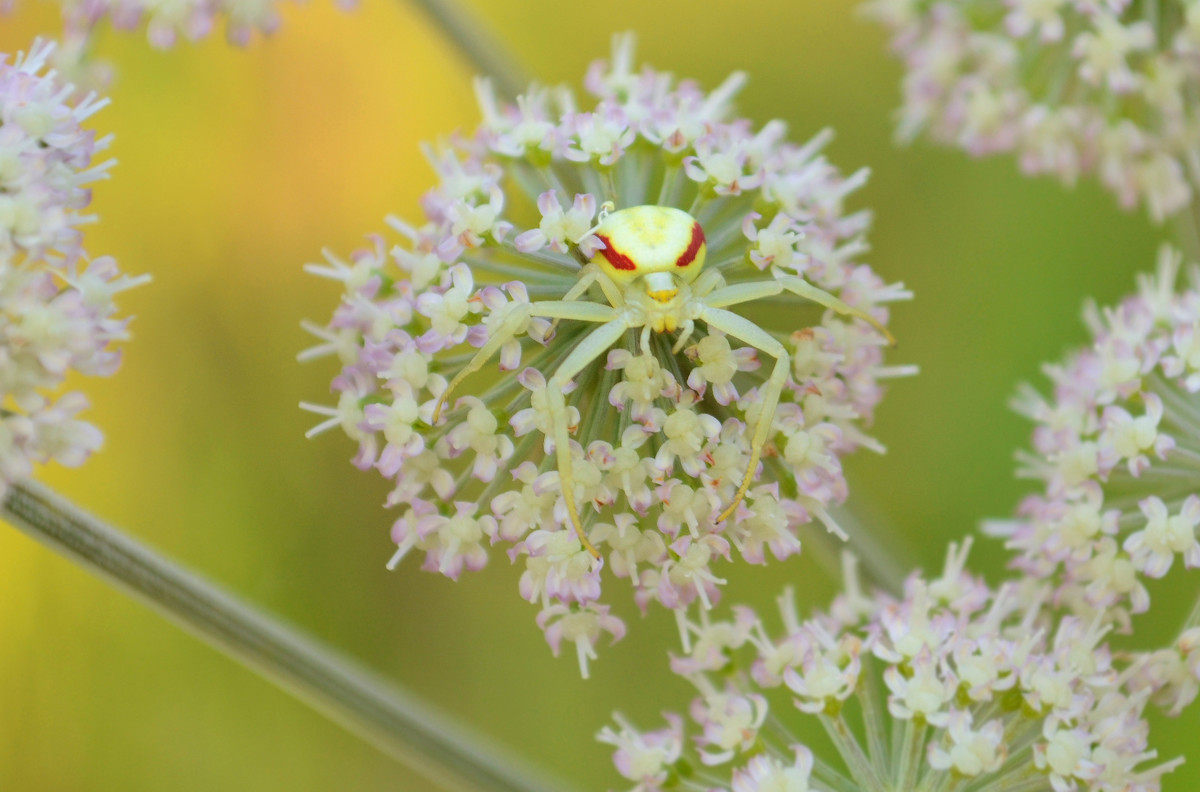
1184	229
476	42
392	720
884	558
910	754
851	752
1193	619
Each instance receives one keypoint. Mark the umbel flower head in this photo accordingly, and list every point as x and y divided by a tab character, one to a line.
637	331
1117	446
56	306
952	686
1070	86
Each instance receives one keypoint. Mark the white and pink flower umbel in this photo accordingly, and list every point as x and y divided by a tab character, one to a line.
952	685
660	438
1072	87
56	304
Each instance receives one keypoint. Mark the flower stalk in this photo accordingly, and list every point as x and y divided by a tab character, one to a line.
391	719
475	42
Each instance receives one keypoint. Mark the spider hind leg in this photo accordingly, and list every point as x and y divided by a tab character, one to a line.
593	346
747	331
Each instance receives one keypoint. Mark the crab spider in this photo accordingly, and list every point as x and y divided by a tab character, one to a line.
651	274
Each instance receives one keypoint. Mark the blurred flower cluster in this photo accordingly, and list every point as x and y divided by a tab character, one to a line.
955	684
166	21
662	422
1071	86
1117	447
56	304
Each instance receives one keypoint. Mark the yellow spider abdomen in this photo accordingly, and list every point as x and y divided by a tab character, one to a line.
642	240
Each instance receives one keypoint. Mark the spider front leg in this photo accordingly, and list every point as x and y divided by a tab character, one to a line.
593	274
587	276
743	329
592	347
757	290
804	289
548	309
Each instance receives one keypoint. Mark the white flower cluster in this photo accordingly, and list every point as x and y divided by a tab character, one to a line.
660	423
56	306
1117	445
1104	87
952	686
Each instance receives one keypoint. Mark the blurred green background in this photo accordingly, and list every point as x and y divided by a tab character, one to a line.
239	165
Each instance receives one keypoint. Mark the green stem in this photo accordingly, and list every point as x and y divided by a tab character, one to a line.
392	720
1193	619
873	722
1185	232
883	557
911	754
477	43
851	752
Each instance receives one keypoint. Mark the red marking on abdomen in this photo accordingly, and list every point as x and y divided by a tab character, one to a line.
693	247
617	259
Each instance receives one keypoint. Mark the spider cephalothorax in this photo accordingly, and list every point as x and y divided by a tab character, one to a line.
650	270
654	244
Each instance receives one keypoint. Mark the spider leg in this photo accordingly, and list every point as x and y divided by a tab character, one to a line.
708	281
723	296
550	309
580	311
612	292
741	328
502	335
593	346
804	289
686	329
587	276
593	274
743	292
644	340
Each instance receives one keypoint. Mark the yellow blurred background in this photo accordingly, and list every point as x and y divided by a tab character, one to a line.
236	166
